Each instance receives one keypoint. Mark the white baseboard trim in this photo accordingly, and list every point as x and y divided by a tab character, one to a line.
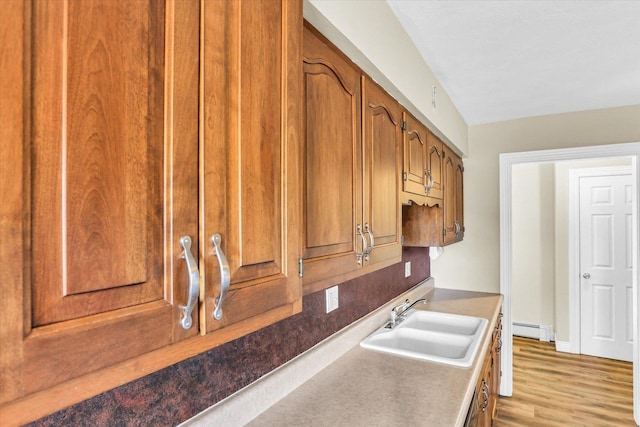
526	331
563	346
538	332
546	333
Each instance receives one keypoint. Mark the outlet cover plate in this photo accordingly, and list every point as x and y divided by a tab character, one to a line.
331	295
407	269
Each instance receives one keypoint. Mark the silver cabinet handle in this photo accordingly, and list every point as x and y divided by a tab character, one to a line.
194	282
586	276
225	277
372	241
457	228
361	255
429	186
485	393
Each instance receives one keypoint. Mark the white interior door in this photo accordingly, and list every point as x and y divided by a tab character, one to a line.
606	309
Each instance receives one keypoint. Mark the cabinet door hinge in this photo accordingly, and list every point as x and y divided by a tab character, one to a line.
300	268
403	125
444	232
404	176
402	240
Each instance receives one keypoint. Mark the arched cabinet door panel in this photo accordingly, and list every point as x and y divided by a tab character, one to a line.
415	163
332	164
453	198
382	136
435	153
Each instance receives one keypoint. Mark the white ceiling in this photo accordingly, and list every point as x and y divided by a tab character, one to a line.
502	60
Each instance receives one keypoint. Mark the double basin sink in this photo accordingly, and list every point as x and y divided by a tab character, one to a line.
446	338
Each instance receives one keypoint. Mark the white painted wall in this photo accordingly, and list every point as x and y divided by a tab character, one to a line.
474	263
533	244
369	33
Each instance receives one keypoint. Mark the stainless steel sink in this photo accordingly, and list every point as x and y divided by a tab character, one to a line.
437	337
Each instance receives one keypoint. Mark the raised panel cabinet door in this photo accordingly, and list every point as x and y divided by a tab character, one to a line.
496	348
459	178
382	137
110	182
251	86
449	181
332	166
435	156
414	174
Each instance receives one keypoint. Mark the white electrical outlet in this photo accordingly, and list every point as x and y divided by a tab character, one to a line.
407	269
331	295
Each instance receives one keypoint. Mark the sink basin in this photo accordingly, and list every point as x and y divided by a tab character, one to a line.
436	337
443	322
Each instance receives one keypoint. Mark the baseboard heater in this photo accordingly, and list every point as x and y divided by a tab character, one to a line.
539	332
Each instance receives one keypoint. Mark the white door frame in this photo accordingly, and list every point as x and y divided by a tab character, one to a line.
507	160
574	244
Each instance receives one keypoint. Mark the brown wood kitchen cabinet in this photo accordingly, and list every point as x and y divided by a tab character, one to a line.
332	164
453	198
441	224
351	169
415	164
422	167
483	408
496	348
435	161
382	216
102	276
122	134
250	156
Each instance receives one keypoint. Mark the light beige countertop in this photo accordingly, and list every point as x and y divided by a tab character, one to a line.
365	388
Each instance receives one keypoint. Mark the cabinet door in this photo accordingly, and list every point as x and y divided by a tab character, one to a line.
453	201
109	186
435	156
381	153
414	175
332	165
459	178
496	348
252	76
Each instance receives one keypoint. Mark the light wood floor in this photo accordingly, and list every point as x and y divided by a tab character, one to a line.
560	389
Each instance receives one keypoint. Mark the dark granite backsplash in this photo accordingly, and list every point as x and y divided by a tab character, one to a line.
178	392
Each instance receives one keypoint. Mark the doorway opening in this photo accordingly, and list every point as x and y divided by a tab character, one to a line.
507	161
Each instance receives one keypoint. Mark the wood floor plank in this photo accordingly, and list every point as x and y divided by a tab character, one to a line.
552	389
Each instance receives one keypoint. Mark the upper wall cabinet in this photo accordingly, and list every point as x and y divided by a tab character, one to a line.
442	224
154	184
435	160
415	168
250	156
351	217
109	185
332	163
422	167
382	136
453	198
